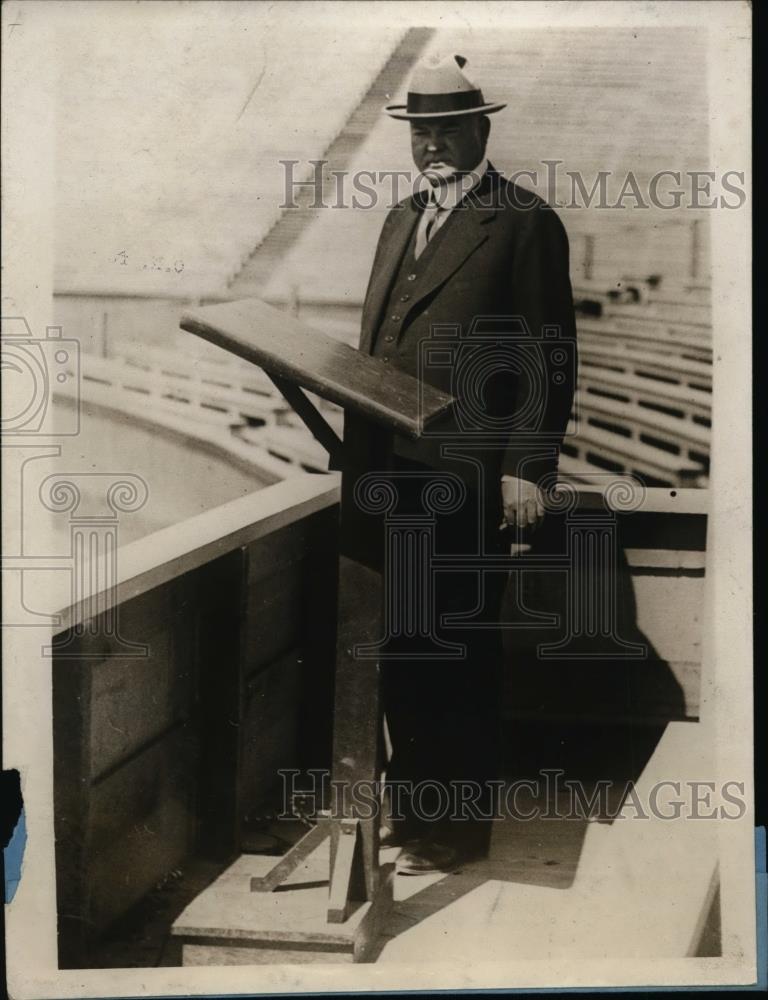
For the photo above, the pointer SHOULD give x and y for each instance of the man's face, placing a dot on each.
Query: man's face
(445, 146)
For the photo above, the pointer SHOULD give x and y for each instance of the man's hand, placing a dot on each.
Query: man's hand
(522, 504)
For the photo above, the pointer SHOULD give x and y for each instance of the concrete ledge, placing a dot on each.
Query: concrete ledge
(180, 548)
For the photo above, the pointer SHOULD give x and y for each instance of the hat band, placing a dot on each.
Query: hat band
(464, 100)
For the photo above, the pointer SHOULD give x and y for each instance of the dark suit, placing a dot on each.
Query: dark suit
(494, 259)
(495, 281)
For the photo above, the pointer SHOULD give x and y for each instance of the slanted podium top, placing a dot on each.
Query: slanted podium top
(287, 348)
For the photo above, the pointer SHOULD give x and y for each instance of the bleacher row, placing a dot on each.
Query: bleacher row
(643, 403)
(644, 397)
(224, 402)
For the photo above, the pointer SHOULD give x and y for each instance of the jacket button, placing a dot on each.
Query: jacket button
(404, 298)
(385, 357)
(389, 339)
(395, 318)
(411, 277)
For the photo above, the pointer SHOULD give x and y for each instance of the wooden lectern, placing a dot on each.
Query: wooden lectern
(297, 358)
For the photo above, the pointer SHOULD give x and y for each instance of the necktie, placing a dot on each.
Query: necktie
(426, 227)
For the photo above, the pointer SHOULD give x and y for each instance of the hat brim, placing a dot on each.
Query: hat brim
(400, 112)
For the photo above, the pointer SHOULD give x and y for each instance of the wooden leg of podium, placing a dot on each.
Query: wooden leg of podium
(342, 872)
(300, 851)
(349, 915)
(357, 733)
(353, 824)
(314, 923)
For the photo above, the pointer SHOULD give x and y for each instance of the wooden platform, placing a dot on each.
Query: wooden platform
(549, 889)
(230, 925)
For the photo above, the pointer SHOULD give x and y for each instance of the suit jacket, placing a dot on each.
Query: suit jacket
(495, 300)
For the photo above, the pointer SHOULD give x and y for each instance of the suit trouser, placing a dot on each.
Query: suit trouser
(443, 713)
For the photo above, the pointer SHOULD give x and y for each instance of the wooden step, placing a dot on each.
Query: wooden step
(228, 924)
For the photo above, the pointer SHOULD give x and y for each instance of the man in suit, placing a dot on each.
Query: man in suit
(470, 292)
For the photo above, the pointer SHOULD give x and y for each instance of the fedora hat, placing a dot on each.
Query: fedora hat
(439, 88)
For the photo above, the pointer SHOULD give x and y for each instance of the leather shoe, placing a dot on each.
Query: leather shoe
(426, 857)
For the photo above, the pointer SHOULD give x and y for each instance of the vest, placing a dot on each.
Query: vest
(398, 337)
(390, 342)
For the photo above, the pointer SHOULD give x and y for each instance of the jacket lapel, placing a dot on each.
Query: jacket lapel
(388, 256)
(466, 235)
(467, 232)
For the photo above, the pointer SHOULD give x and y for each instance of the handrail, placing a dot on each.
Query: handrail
(178, 549)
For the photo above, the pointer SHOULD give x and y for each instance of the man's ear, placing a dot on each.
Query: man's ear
(485, 129)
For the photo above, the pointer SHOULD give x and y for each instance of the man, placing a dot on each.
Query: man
(477, 257)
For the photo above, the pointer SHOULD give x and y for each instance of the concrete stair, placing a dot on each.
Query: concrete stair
(285, 232)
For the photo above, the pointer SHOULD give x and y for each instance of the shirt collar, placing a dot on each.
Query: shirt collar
(446, 197)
